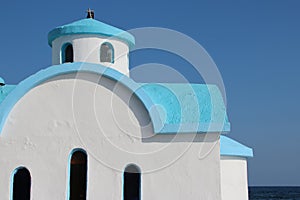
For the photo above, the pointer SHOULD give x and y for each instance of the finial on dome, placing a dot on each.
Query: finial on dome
(90, 14)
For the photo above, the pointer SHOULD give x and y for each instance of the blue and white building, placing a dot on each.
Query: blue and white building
(83, 129)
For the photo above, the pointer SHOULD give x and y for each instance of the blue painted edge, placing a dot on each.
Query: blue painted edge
(201, 127)
(159, 127)
(82, 27)
(23, 87)
(12, 180)
(5, 90)
(69, 169)
(230, 147)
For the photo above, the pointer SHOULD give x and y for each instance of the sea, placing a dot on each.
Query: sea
(274, 193)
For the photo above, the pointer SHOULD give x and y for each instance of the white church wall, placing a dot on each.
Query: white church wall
(86, 48)
(115, 130)
(234, 182)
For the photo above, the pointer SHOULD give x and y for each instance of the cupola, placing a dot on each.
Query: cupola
(89, 40)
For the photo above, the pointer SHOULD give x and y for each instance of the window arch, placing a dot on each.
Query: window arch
(132, 183)
(21, 184)
(67, 53)
(78, 175)
(107, 53)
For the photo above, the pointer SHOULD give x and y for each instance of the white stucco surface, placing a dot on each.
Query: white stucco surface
(103, 118)
(86, 48)
(234, 181)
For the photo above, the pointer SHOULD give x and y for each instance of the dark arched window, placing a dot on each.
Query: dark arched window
(132, 183)
(107, 53)
(21, 184)
(78, 175)
(67, 53)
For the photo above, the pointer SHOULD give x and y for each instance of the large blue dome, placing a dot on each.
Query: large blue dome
(91, 26)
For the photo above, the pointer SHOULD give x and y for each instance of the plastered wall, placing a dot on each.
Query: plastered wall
(86, 48)
(102, 117)
(234, 182)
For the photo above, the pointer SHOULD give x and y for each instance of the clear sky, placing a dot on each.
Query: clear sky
(255, 44)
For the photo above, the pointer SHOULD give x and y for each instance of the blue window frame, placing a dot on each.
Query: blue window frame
(21, 184)
(67, 53)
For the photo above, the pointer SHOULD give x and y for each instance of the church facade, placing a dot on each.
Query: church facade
(83, 129)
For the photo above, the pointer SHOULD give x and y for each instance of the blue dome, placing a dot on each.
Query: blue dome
(2, 81)
(91, 26)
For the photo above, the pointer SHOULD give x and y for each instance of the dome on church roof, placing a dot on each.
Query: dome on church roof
(91, 26)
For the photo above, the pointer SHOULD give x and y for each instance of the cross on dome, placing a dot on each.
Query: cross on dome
(90, 13)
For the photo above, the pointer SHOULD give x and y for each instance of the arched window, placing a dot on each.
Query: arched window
(107, 53)
(21, 184)
(78, 175)
(132, 183)
(67, 53)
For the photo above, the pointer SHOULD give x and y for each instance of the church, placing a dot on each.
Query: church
(83, 129)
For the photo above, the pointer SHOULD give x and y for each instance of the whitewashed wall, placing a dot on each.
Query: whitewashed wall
(234, 182)
(63, 113)
(86, 48)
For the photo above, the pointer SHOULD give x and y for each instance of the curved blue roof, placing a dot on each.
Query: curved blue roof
(186, 107)
(173, 108)
(91, 26)
(230, 147)
(5, 90)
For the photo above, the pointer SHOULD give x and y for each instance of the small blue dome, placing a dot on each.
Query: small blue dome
(91, 26)
(2, 82)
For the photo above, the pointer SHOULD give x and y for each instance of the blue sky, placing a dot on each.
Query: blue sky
(255, 44)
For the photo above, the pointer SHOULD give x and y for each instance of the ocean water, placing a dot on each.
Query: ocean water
(274, 193)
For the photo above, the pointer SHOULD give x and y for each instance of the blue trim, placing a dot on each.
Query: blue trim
(63, 52)
(12, 176)
(91, 26)
(230, 147)
(210, 107)
(26, 85)
(12, 182)
(195, 127)
(5, 90)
